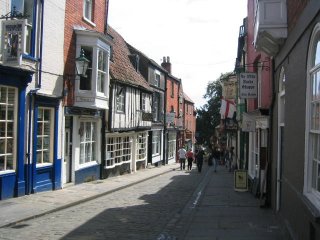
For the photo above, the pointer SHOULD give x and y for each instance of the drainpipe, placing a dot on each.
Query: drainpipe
(28, 154)
(165, 135)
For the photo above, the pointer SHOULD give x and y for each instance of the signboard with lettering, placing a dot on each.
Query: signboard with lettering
(13, 41)
(248, 85)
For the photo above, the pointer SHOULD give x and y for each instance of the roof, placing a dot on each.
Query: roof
(121, 68)
(187, 98)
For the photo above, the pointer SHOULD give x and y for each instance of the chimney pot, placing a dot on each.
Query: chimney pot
(168, 59)
(164, 59)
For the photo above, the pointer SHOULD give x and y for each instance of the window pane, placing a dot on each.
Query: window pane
(10, 146)
(39, 157)
(3, 109)
(2, 146)
(9, 162)
(46, 156)
(11, 96)
(10, 129)
(2, 129)
(47, 114)
(40, 128)
(10, 114)
(2, 161)
(3, 95)
(40, 114)
(46, 128)
(317, 54)
(46, 142)
(39, 143)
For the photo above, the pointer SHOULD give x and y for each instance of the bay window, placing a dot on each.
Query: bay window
(118, 150)
(86, 81)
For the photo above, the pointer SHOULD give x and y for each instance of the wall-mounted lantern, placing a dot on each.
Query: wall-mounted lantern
(82, 64)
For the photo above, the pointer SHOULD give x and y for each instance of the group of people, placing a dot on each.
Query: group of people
(190, 157)
(216, 155)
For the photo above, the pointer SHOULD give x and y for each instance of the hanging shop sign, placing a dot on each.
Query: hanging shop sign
(147, 116)
(248, 123)
(248, 87)
(230, 90)
(13, 43)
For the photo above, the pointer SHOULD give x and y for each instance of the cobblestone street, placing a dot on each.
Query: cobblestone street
(137, 212)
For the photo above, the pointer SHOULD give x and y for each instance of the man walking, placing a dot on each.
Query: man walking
(182, 158)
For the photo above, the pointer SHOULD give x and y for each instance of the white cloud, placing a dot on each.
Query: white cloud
(200, 36)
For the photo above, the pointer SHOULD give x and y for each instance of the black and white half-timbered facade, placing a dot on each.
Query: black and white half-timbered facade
(155, 75)
(130, 115)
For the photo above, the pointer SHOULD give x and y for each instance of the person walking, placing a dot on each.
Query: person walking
(199, 159)
(190, 158)
(182, 158)
(216, 157)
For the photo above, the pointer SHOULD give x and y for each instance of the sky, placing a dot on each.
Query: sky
(199, 36)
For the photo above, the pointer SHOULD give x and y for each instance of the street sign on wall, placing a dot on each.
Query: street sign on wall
(248, 86)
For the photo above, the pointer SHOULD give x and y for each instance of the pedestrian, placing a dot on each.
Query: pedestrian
(233, 159)
(182, 158)
(190, 158)
(199, 158)
(216, 157)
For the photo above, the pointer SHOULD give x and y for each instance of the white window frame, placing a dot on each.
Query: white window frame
(6, 103)
(42, 136)
(88, 12)
(253, 165)
(156, 143)
(172, 146)
(102, 73)
(118, 150)
(120, 99)
(157, 78)
(312, 156)
(141, 147)
(91, 140)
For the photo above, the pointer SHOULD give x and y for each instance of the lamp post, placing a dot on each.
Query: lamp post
(82, 64)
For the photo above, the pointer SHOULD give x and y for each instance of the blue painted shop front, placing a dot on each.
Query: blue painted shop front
(12, 174)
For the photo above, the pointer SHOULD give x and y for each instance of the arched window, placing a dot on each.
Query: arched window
(281, 124)
(312, 151)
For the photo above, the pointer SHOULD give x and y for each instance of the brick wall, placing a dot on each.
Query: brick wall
(295, 8)
(74, 17)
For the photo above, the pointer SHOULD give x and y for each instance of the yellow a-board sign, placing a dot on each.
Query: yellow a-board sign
(241, 180)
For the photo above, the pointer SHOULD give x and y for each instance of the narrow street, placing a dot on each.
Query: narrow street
(174, 205)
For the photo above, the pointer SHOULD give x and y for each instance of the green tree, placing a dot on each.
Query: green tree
(208, 116)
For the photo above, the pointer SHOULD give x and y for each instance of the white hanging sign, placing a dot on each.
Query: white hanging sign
(248, 87)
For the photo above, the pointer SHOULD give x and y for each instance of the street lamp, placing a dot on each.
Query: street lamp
(82, 64)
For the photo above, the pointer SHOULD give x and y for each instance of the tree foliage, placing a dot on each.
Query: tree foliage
(208, 116)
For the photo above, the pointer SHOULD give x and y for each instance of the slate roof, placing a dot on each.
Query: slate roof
(187, 98)
(121, 68)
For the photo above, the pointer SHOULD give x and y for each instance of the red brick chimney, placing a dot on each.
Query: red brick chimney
(166, 64)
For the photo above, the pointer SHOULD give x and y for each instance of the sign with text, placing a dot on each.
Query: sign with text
(241, 180)
(12, 47)
(248, 87)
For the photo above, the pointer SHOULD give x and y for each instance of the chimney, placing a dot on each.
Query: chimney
(166, 64)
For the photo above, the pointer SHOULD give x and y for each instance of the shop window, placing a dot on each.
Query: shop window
(45, 127)
(118, 151)
(141, 146)
(8, 121)
(88, 142)
(156, 141)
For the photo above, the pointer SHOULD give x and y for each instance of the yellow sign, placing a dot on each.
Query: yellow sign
(241, 180)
